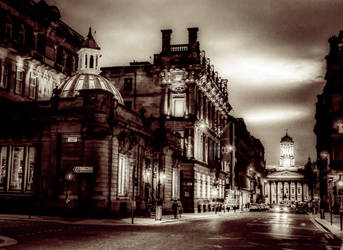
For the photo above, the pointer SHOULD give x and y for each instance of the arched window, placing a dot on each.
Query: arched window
(91, 62)
(96, 62)
(86, 62)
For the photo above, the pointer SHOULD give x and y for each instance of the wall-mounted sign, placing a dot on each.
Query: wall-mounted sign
(83, 170)
(72, 139)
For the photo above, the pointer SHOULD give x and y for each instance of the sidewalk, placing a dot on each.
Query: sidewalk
(333, 227)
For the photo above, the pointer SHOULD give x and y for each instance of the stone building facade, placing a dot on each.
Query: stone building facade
(329, 128)
(182, 88)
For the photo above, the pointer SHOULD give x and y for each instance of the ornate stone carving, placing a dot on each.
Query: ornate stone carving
(177, 79)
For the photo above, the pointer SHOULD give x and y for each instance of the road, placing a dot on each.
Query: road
(254, 230)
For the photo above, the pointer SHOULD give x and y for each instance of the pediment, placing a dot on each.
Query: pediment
(285, 175)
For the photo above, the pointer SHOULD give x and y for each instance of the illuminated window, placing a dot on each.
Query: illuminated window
(208, 187)
(203, 186)
(6, 80)
(19, 84)
(175, 183)
(17, 168)
(33, 86)
(179, 104)
(198, 185)
(3, 167)
(123, 176)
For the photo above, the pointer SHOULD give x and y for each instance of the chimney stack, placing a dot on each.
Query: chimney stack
(166, 40)
(192, 35)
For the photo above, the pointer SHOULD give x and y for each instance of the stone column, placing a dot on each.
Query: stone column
(277, 191)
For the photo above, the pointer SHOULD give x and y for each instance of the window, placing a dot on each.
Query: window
(3, 167)
(6, 80)
(198, 185)
(9, 29)
(41, 40)
(91, 62)
(21, 35)
(208, 187)
(179, 106)
(127, 84)
(33, 86)
(175, 188)
(59, 55)
(204, 186)
(17, 168)
(123, 176)
(19, 84)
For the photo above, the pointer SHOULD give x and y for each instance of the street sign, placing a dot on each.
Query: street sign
(83, 170)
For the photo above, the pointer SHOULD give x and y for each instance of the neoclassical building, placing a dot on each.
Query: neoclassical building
(285, 184)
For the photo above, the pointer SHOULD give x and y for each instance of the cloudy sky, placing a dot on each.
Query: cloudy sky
(271, 51)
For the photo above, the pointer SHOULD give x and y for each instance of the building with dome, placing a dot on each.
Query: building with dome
(84, 151)
(285, 183)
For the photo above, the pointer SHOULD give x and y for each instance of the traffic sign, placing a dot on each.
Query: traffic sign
(83, 169)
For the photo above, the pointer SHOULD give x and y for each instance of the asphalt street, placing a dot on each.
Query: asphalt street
(254, 230)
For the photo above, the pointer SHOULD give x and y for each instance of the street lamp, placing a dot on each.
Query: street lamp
(324, 156)
(68, 179)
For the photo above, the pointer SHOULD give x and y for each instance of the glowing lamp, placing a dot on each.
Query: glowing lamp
(69, 176)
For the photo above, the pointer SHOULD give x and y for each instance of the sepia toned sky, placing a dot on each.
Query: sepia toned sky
(272, 52)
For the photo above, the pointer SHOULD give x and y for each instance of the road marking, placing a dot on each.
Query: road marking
(7, 241)
(225, 238)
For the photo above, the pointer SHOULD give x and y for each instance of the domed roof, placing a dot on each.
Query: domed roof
(286, 138)
(72, 85)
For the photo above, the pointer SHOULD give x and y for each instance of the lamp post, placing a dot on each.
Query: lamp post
(68, 179)
(324, 155)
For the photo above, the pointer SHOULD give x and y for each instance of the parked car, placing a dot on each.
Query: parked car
(254, 207)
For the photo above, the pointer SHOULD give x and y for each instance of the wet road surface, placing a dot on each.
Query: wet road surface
(254, 230)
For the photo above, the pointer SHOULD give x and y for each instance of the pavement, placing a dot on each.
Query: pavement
(330, 223)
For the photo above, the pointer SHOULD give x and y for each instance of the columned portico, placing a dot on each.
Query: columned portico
(287, 186)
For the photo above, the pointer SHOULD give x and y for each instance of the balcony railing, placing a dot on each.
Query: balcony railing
(179, 48)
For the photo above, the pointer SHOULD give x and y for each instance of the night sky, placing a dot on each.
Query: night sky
(271, 51)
